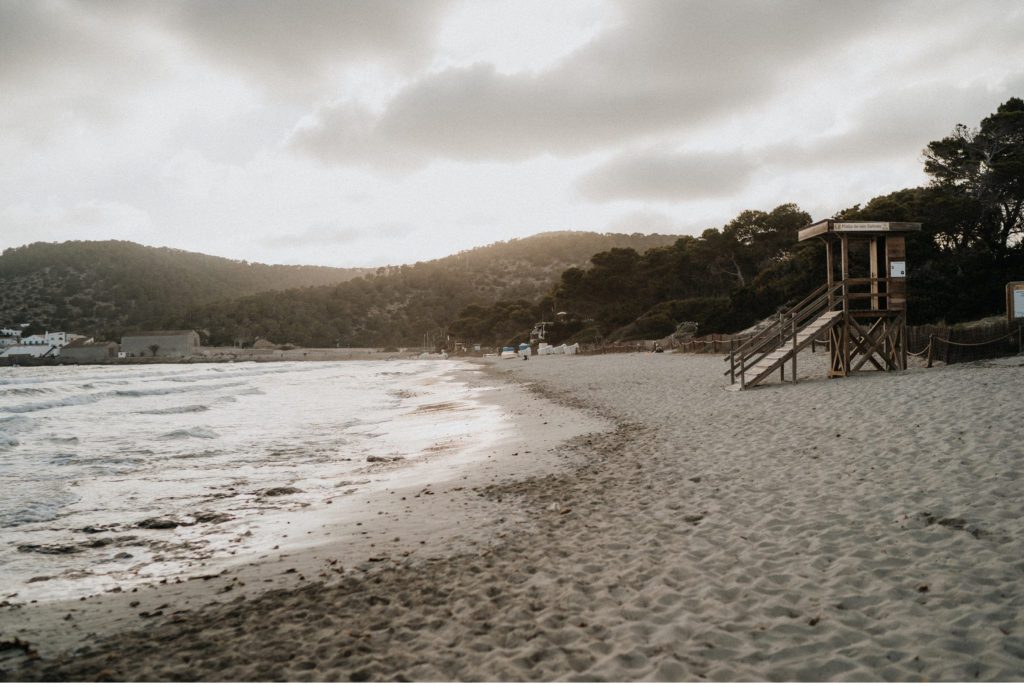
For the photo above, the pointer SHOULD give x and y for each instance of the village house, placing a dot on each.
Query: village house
(177, 343)
(57, 339)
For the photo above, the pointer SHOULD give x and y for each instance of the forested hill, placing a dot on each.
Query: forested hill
(103, 288)
(401, 305)
(970, 245)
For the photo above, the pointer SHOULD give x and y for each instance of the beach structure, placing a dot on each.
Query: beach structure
(175, 343)
(79, 351)
(862, 315)
(1015, 301)
(29, 351)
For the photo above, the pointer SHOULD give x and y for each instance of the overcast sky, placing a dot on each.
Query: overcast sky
(386, 131)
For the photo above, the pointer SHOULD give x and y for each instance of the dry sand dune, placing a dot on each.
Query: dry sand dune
(860, 529)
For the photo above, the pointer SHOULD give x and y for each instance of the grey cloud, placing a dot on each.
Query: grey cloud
(61, 59)
(353, 138)
(886, 127)
(897, 125)
(59, 62)
(667, 176)
(668, 65)
(292, 43)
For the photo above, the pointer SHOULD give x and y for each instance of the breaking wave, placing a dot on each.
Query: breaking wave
(177, 410)
(192, 433)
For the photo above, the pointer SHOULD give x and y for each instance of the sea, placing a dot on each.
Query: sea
(114, 475)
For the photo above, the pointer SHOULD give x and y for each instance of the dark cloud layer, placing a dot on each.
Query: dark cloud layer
(60, 58)
(284, 43)
(668, 64)
(655, 175)
(62, 62)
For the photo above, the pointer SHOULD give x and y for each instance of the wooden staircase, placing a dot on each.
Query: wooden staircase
(772, 348)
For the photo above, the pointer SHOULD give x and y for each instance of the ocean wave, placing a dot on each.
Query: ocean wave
(54, 439)
(34, 502)
(176, 410)
(16, 423)
(192, 433)
(82, 399)
(166, 390)
(106, 464)
(26, 391)
(54, 403)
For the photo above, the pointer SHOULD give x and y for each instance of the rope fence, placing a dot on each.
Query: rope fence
(952, 345)
(949, 345)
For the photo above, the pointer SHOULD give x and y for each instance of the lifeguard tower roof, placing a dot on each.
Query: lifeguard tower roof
(838, 227)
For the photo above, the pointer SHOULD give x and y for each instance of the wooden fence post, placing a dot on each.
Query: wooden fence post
(794, 350)
(732, 361)
(931, 348)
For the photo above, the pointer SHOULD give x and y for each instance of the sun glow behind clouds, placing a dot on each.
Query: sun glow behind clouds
(519, 35)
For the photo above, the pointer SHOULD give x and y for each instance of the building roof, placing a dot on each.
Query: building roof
(27, 349)
(835, 226)
(81, 343)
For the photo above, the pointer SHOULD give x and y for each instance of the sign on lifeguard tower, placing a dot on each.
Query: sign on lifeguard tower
(1015, 300)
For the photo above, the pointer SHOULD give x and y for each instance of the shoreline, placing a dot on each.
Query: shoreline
(227, 354)
(413, 522)
(775, 534)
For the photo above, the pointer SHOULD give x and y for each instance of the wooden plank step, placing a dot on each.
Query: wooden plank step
(784, 353)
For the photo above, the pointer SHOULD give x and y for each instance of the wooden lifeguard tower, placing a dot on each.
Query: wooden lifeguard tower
(864, 317)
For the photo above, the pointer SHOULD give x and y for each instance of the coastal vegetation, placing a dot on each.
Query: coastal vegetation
(104, 288)
(402, 305)
(726, 279)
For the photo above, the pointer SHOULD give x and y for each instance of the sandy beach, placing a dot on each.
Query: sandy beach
(646, 524)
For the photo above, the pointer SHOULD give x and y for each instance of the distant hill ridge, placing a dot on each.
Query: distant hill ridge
(403, 305)
(107, 288)
(103, 288)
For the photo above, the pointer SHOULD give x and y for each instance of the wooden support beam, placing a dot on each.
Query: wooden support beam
(870, 344)
(873, 267)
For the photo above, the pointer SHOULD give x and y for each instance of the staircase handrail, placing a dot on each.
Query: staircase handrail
(772, 329)
(792, 320)
(783, 328)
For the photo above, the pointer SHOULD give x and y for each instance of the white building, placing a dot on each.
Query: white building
(58, 339)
